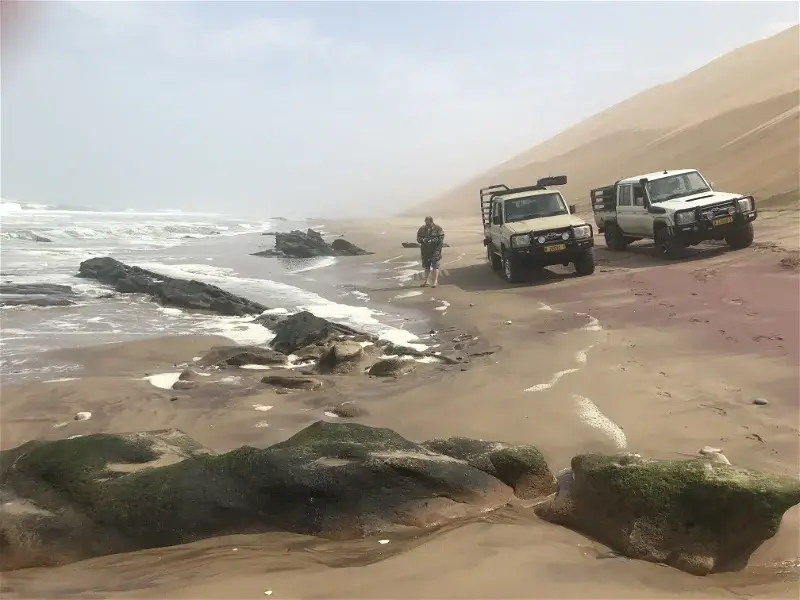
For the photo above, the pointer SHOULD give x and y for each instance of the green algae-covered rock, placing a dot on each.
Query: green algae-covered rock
(700, 516)
(522, 467)
(102, 494)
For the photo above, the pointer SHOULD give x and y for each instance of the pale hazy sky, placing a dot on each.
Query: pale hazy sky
(323, 108)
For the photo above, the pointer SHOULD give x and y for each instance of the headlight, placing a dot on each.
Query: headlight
(541, 239)
(565, 236)
(744, 204)
(581, 232)
(521, 240)
(685, 218)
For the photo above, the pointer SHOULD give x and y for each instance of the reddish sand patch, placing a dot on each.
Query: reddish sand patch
(747, 306)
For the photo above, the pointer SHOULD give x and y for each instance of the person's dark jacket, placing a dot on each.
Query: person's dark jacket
(431, 239)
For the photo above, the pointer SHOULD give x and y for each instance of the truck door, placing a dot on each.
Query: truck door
(641, 219)
(626, 218)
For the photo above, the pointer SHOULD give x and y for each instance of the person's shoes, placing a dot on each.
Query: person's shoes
(424, 284)
(434, 284)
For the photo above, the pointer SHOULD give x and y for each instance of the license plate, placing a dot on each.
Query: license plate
(555, 248)
(722, 221)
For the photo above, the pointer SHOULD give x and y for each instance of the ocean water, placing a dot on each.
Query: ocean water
(212, 248)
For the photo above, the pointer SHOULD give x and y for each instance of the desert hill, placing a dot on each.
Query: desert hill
(737, 119)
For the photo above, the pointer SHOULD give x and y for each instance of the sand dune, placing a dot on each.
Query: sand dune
(736, 118)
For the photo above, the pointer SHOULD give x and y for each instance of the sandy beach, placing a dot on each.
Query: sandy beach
(649, 357)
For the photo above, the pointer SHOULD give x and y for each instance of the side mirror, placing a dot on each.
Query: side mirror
(711, 184)
(497, 220)
(573, 209)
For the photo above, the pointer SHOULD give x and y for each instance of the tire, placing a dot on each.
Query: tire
(510, 268)
(741, 237)
(667, 246)
(585, 264)
(615, 241)
(494, 261)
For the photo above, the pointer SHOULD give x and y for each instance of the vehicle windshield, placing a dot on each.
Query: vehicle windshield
(677, 186)
(535, 207)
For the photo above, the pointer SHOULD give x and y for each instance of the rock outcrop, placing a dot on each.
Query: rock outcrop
(168, 291)
(293, 382)
(309, 244)
(236, 356)
(306, 329)
(102, 494)
(36, 294)
(700, 516)
(392, 367)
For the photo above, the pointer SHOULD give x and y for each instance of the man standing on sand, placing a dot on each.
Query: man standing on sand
(430, 238)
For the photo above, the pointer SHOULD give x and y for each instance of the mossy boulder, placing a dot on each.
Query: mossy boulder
(699, 515)
(521, 467)
(102, 494)
(392, 367)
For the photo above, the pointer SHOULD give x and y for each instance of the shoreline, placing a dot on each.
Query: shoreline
(557, 364)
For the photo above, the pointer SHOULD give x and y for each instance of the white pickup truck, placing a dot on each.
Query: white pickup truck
(532, 227)
(675, 209)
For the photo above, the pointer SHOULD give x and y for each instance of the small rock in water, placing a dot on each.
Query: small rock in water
(508, 322)
(383, 541)
(472, 304)
(760, 401)
(83, 416)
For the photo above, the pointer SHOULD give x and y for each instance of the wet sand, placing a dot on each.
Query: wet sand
(647, 356)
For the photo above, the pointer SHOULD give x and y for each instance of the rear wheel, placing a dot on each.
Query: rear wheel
(741, 237)
(510, 267)
(585, 263)
(495, 261)
(667, 246)
(615, 240)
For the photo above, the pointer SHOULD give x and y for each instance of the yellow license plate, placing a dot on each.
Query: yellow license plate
(722, 221)
(555, 248)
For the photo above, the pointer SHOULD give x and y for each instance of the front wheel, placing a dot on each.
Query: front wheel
(741, 237)
(584, 265)
(510, 267)
(668, 246)
(495, 261)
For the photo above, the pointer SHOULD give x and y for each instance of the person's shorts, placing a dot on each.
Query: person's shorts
(430, 264)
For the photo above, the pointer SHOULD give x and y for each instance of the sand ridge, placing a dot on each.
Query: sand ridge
(737, 119)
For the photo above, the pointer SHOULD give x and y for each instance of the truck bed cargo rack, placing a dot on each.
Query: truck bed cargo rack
(604, 198)
(500, 189)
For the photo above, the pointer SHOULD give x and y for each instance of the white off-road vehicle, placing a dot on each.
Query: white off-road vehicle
(676, 209)
(533, 227)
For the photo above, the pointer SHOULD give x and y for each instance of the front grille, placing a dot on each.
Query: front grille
(550, 235)
(717, 210)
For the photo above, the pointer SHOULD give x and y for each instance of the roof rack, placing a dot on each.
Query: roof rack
(500, 189)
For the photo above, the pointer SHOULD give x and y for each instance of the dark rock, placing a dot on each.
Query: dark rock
(103, 494)
(310, 352)
(344, 248)
(36, 294)
(392, 367)
(347, 410)
(760, 401)
(698, 515)
(309, 244)
(24, 289)
(236, 356)
(183, 384)
(189, 374)
(410, 245)
(344, 357)
(293, 382)
(306, 329)
(35, 301)
(168, 291)
(522, 467)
